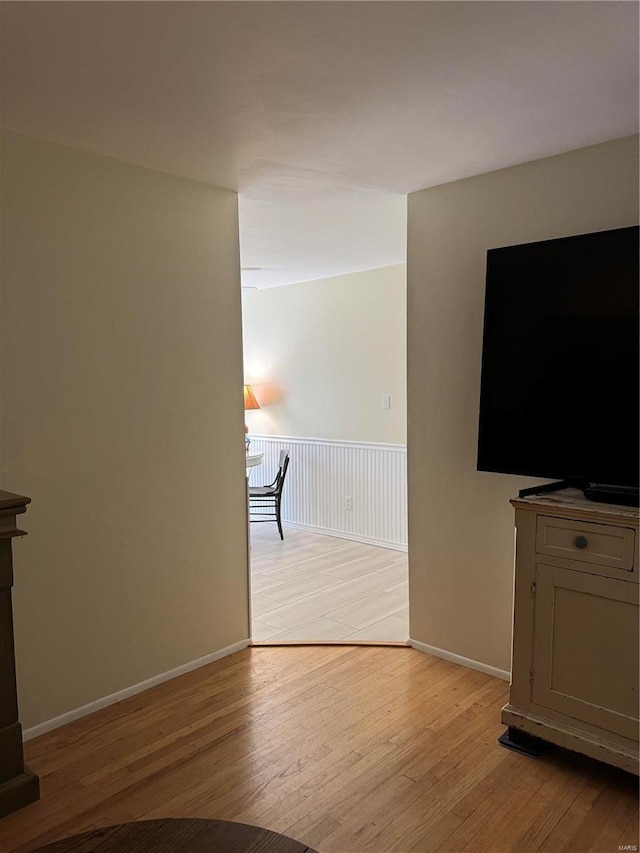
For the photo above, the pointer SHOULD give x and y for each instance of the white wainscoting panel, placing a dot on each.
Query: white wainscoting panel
(323, 474)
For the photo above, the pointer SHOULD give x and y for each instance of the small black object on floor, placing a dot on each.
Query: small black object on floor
(524, 743)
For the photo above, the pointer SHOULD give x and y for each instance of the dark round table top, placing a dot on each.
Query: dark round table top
(178, 835)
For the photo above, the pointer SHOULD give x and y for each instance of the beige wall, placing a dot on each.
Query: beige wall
(122, 366)
(321, 354)
(460, 521)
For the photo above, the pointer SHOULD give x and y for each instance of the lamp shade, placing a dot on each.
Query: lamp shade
(250, 401)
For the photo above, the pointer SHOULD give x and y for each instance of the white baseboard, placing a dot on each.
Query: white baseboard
(84, 710)
(353, 537)
(471, 664)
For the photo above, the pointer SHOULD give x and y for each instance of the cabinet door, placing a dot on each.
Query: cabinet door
(585, 657)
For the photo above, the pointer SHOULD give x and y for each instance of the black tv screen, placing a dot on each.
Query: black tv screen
(560, 375)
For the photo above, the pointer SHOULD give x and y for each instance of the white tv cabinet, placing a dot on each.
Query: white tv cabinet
(574, 671)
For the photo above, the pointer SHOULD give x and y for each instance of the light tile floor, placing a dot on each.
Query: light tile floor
(313, 587)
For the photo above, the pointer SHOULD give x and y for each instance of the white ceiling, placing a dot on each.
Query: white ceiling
(323, 115)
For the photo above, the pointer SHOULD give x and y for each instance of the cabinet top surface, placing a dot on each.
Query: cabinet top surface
(567, 501)
(9, 500)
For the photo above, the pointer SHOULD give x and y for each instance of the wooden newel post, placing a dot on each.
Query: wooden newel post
(18, 785)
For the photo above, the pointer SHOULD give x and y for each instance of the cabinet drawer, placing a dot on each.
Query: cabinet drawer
(586, 542)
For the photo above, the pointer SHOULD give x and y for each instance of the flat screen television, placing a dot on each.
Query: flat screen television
(560, 363)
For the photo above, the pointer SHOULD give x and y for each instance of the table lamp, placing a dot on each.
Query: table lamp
(250, 402)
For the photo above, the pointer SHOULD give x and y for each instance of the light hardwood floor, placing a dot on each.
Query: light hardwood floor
(319, 588)
(349, 749)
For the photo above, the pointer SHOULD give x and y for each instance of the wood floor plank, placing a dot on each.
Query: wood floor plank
(347, 749)
(601, 826)
(543, 810)
(625, 837)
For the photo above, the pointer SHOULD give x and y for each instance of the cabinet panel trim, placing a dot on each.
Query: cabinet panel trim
(552, 655)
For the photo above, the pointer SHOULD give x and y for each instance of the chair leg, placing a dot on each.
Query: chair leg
(278, 519)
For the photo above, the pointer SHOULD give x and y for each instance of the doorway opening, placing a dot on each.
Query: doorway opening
(326, 362)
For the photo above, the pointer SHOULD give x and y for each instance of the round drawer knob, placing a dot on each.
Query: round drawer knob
(581, 542)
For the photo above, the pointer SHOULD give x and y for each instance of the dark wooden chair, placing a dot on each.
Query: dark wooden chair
(266, 500)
